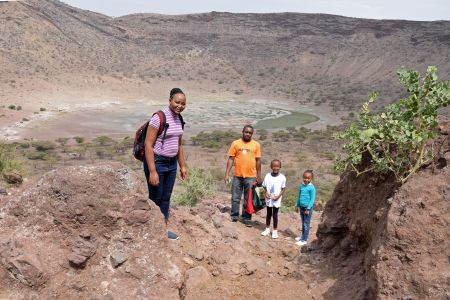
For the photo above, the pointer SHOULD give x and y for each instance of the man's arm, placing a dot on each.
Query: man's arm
(228, 169)
(258, 170)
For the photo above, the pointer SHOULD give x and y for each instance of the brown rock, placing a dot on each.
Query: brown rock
(137, 217)
(196, 276)
(27, 269)
(13, 177)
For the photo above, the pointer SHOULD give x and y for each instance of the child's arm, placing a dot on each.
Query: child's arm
(280, 194)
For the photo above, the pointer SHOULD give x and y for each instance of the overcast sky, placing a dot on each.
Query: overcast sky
(427, 10)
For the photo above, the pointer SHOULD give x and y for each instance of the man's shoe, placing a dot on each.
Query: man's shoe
(234, 219)
(246, 222)
(297, 239)
(172, 235)
(301, 243)
(265, 232)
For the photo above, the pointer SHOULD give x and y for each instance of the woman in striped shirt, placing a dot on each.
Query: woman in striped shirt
(162, 152)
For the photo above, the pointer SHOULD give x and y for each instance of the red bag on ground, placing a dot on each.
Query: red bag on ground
(250, 209)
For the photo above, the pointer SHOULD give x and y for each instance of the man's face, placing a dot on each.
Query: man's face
(247, 134)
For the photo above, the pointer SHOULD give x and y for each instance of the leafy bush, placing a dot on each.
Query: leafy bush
(397, 139)
(103, 140)
(215, 139)
(8, 161)
(12, 106)
(199, 184)
(78, 139)
(38, 155)
(43, 145)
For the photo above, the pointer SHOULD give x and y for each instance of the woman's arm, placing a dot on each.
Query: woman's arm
(150, 139)
(181, 161)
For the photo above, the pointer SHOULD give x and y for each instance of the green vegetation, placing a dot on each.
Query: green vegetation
(397, 139)
(199, 184)
(43, 145)
(214, 140)
(291, 120)
(8, 159)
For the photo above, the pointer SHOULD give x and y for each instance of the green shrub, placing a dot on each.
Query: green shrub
(42, 109)
(78, 139)
(8, 160)
(198, 184)
(12, 106)
(289, 199)
(397, 139)
(103, 140)
(215, 139)
(38, 155)
(43, 145)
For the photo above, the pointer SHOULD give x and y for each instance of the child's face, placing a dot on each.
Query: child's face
(307, 178)
(275, 166)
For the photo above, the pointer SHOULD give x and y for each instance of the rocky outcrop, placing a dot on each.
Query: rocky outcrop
(389, 241)
(65, 237)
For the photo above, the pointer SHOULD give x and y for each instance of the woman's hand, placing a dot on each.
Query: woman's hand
(183, 173)
(153, 179)
(306, 211)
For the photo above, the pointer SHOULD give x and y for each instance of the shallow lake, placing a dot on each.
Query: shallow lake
(122, 119)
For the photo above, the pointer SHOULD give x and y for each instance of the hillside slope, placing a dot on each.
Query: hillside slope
(307, 57)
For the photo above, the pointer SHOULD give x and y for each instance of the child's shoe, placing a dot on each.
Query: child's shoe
(301, 243)
(172, 235)
(265, 232)
(274, 234)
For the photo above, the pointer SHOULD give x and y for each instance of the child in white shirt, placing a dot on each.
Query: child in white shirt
(274, 185)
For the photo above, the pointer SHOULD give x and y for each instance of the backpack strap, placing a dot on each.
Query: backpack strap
(163, 125)
(182, 121)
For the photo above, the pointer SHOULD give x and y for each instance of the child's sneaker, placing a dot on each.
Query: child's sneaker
(274, 234)
(172, 235)
(265, 232)
(301, 243)
(297, 239)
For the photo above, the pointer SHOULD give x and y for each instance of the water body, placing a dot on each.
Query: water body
(122, 119)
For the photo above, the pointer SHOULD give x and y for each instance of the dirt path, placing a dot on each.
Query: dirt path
(245, 264)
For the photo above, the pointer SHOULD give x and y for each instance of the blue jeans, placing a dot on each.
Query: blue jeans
(238, 185)
(306, 221)
(166, 167)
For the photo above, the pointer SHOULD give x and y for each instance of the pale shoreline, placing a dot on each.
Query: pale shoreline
(13, 130)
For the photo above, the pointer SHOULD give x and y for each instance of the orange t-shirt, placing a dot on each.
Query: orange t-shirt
(245, 154)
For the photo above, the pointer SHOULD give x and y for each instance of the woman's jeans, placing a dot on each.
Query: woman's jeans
(238, 185)
(306, 221)
(166, 167)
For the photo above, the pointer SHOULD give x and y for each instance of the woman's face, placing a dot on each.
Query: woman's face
(177, 103)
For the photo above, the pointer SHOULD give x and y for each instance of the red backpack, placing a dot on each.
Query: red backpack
(139, 139)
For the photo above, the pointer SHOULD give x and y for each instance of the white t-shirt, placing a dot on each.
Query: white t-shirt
(273, 186)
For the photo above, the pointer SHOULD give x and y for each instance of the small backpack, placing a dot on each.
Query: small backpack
(139, 139)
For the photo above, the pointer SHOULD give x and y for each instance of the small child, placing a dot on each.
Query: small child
(305, 202)
(274, 185)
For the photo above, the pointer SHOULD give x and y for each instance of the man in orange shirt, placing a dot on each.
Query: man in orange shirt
(246, 154)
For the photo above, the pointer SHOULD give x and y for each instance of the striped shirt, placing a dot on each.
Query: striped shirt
(174, 132)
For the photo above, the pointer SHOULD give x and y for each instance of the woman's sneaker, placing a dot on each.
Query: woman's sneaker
(172, 235)
(274, 234)
(301, 243)
(297, 239)
(265, 232)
